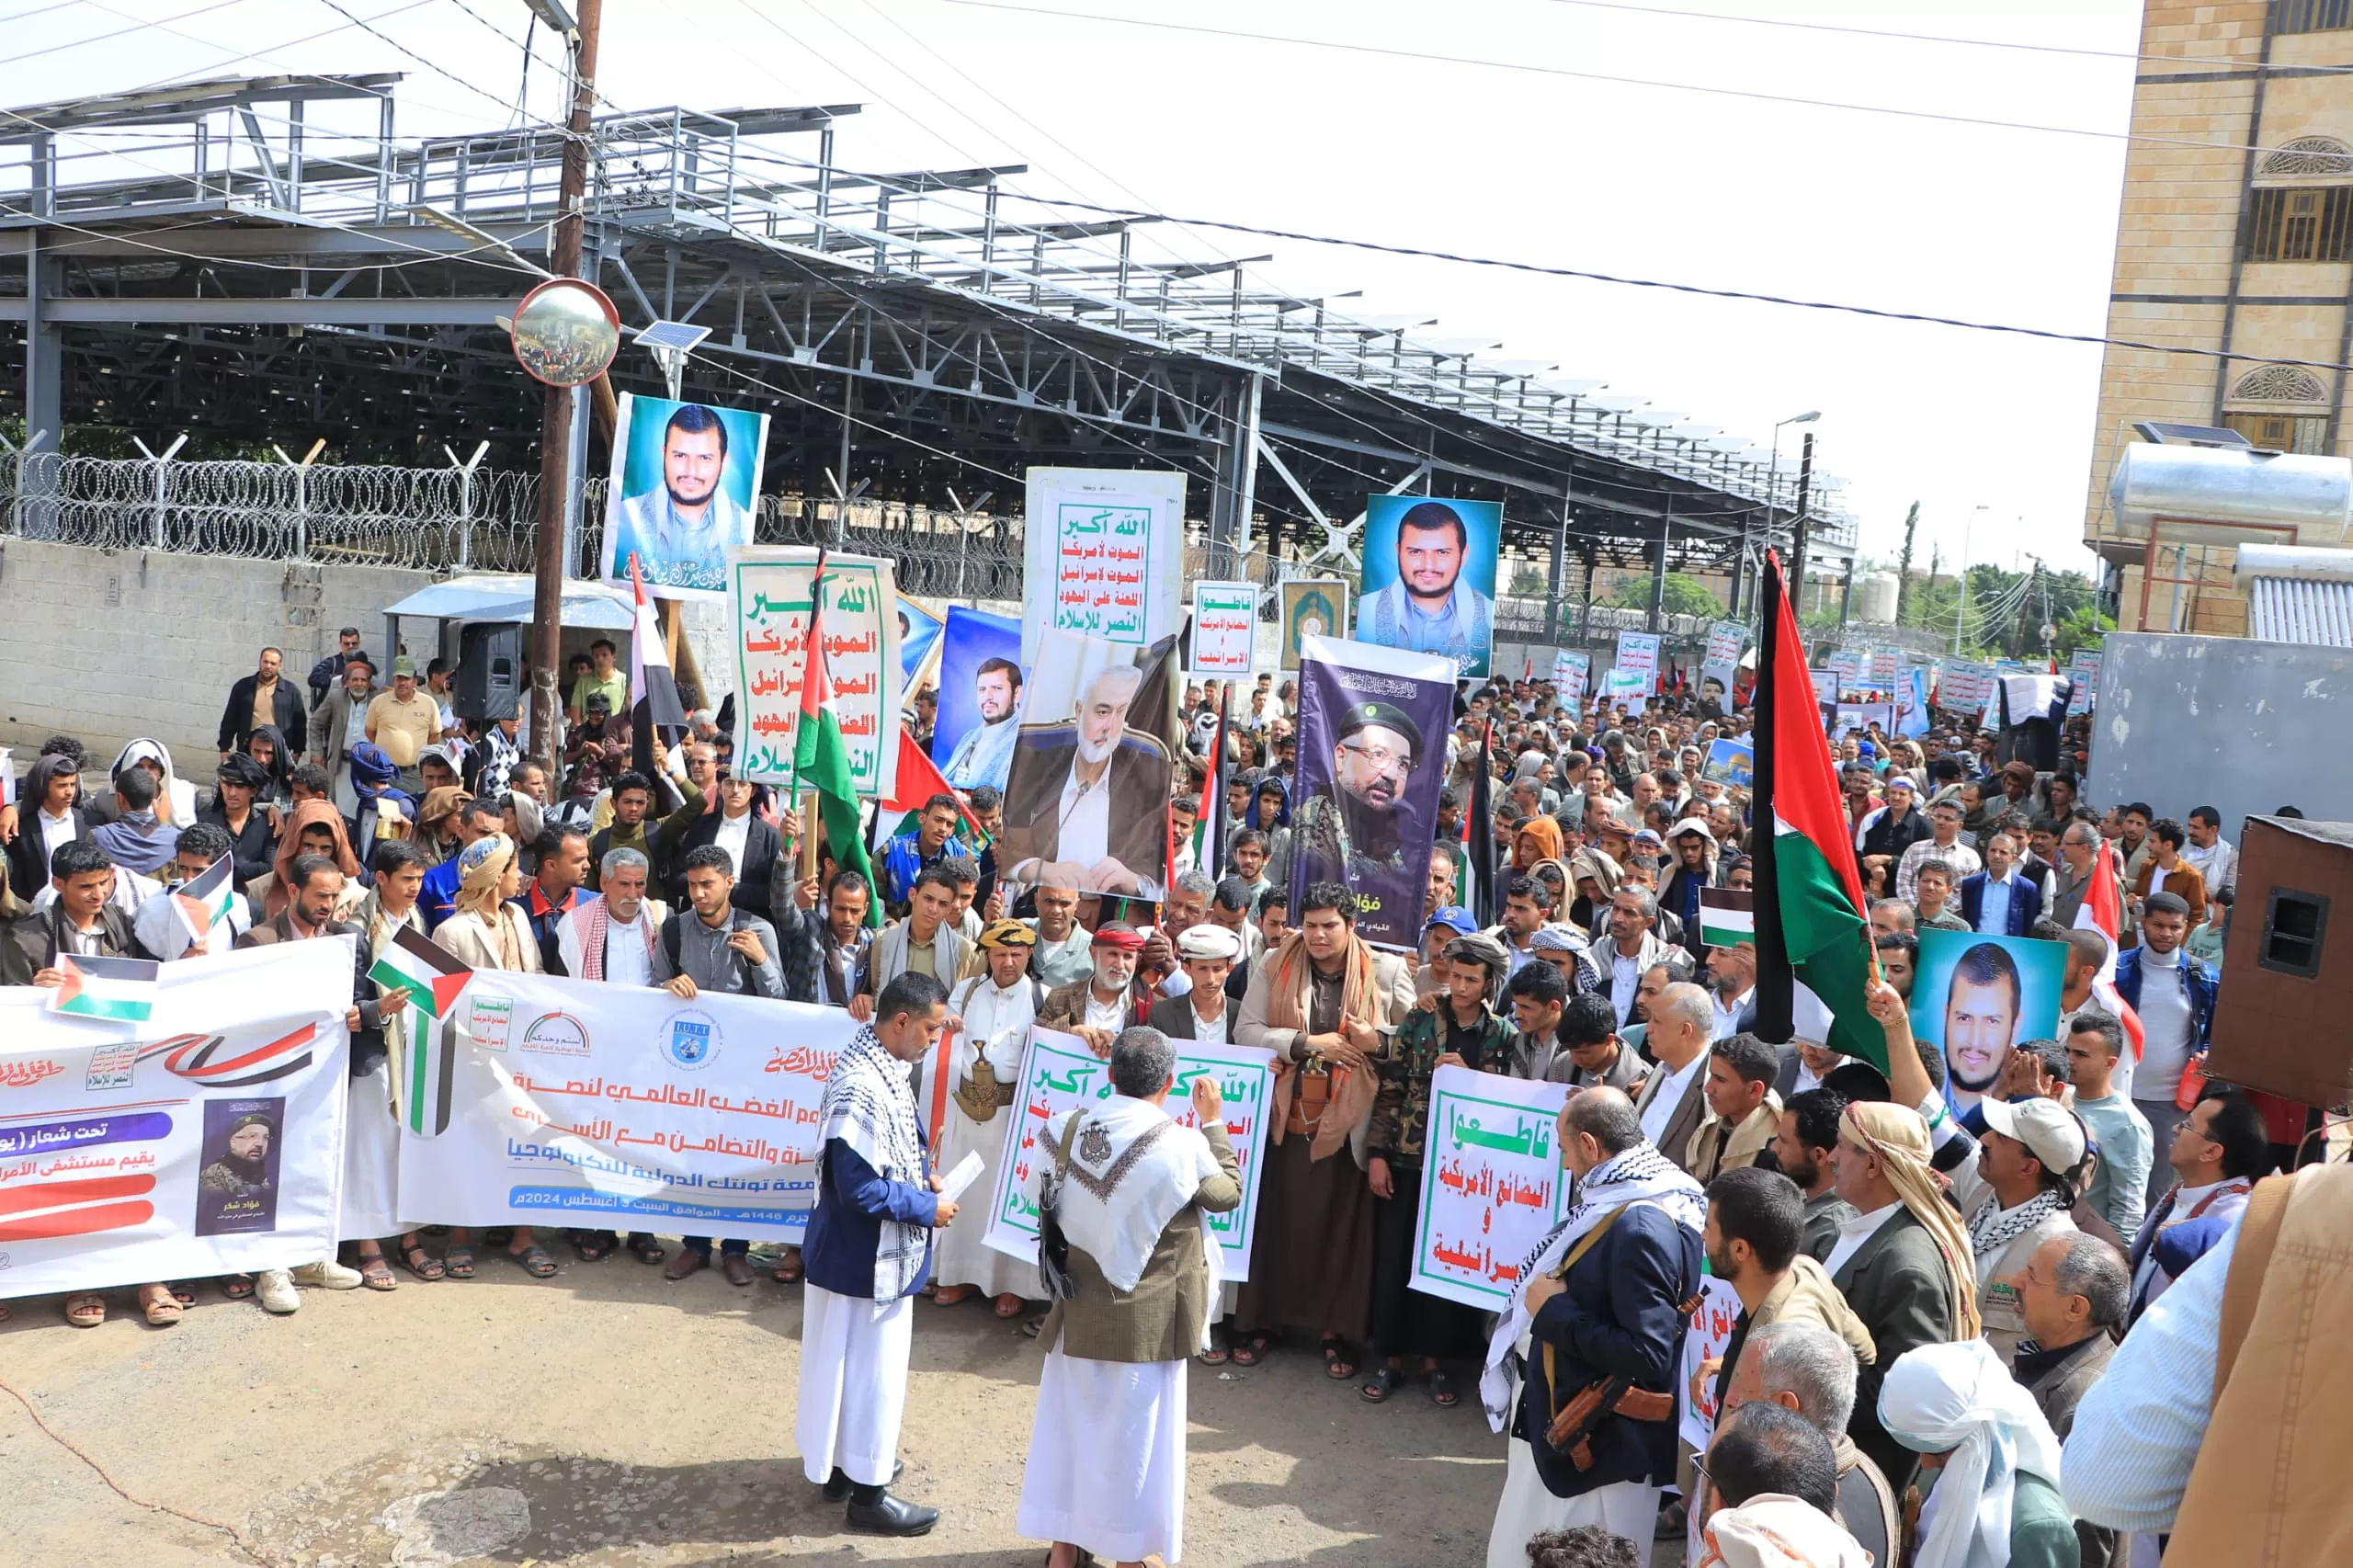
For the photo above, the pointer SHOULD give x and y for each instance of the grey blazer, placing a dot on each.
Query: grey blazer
(1676, 1143)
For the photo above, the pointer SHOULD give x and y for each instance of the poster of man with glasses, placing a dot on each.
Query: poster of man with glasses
(1372, 727)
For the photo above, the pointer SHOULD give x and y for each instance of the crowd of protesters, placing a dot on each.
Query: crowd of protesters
(1945, 1269)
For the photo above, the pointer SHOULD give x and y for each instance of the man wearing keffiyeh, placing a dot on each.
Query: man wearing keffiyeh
(1601, 1305)
(868, 1253)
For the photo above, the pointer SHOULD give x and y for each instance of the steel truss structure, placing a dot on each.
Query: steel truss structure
(264, 260)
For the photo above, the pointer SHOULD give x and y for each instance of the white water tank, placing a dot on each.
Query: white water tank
(2228, 496)
(1875, 597)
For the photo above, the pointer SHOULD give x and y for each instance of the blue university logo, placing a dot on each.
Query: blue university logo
(690, 1040)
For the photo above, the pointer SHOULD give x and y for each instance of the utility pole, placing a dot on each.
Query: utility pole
(555, 412)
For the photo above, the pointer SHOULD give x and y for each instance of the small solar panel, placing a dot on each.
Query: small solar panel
(2168, 433)
(676, 334)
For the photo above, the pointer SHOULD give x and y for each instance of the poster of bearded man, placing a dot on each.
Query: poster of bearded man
(1372, 727)
(1086, 798)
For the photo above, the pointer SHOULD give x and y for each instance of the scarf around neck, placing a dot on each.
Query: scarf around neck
(870, 1106)
(1639, 1174)
(1289, 995)
(1993, 1227)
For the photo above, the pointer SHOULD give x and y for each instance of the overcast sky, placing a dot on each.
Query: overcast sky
(1966, 219)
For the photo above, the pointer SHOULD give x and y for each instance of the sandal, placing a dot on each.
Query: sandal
(183, 1291)
(237, 1287)
(1337, 1364)
(376, 1274)
(1443, 1392)
(85, 1310)
(950, 1295)
(787, 1268)
(534, 1261)
(163, 1308)
(458, 1263)
(646, 1250)
(421, 1263)
(592, 1247)
(1384, 1382)
(1252, 1350)
(1008, 1305)
(1217, 1354)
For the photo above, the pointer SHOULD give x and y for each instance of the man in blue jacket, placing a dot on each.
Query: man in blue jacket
(868, 1253)
(2173, 995)
(1602, 1305)
(2003, 900)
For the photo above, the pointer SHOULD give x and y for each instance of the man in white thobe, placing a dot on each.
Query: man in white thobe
(989, 1020)
(867, 1252)
(1106, 1472)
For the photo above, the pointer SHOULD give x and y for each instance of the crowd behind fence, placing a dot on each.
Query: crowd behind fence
(456, 518)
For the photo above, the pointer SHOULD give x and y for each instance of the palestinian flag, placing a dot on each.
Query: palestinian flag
(1727, 918)
(821, 761)
(422, 968)
(1482, 889)
(1208, 817)
(122, 990)
(204, 904)
(654, 692)
(918, 778)
(1816, 928)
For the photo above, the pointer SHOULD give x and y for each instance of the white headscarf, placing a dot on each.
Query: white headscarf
(1959, 1400)
(177, 790)
(1776, 1532)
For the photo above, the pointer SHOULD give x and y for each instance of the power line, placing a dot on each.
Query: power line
(1593, 277)
(119, 33)
(1883, 33)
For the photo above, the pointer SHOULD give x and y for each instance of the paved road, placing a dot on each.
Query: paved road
(608, 1417)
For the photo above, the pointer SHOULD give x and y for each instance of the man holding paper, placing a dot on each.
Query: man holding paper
(975, 1070)
(1106, 1474)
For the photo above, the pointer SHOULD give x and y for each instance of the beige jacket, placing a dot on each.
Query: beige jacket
(1716, 1148)
(1806, 1295)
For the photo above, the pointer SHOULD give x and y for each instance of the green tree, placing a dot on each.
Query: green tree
(1685, 595)
(1904, 563)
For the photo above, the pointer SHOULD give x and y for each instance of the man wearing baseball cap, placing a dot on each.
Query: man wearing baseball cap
(1349, 827)
(2031, 1155)
(1096, 1008)
(1446, 924)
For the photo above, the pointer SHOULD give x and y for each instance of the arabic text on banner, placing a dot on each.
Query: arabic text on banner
(1570, 670)
(2083, 670)
(1225, 628)
(1621, 685)
(206, 1140)
(1711, 1331)
(1725, 639)
(1058, 1073)
(767, 605)
(1492, 1183)
(1638, 652)
(1104, 555)
(623, 1108)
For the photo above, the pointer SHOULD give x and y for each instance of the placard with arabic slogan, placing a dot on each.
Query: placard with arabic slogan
(769, 605)
(1492, 1184)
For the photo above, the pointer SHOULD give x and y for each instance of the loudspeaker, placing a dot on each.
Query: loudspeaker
(490, 670)
(2279, 1016)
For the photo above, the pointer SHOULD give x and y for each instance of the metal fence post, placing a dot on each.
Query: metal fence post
(155, 519)
(465, 501)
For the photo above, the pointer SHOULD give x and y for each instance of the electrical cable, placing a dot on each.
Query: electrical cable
(1533, 68)
(119, 33)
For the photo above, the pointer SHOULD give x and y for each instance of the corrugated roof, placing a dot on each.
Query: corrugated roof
(2318, 615)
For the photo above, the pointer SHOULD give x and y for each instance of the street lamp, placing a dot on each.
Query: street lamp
(1961, 599)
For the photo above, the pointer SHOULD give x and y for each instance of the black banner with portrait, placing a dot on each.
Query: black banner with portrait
(1372, 732)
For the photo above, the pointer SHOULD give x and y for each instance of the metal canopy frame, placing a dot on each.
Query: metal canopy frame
(217, 257)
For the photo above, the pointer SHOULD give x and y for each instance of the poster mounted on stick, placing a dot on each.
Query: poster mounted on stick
(1731, 762)
(1226, 628)
(568, 1102)
(1725, 639)
(919, 629)
(1058, 1074)
(684, 490)
(1638, 654)
(769, 606)
(1087, 798)
(1312, 606)
(1104, 556)
(1572, 670)
(1429, 577)
(203, 1140)
(980, 699)
(1492, 1184)
(1373, 725)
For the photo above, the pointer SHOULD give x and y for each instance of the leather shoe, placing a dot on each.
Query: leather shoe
(838, 1485)
(891, 1515)
(686, 1263)
(737, 1267)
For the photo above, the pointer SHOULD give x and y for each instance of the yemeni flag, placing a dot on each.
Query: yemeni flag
(1815, 928)
(2099, 913)
(821, 761)
(1482, 892)
(656, 703)
(121, 990)
(1727, 918)
(203, 905)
